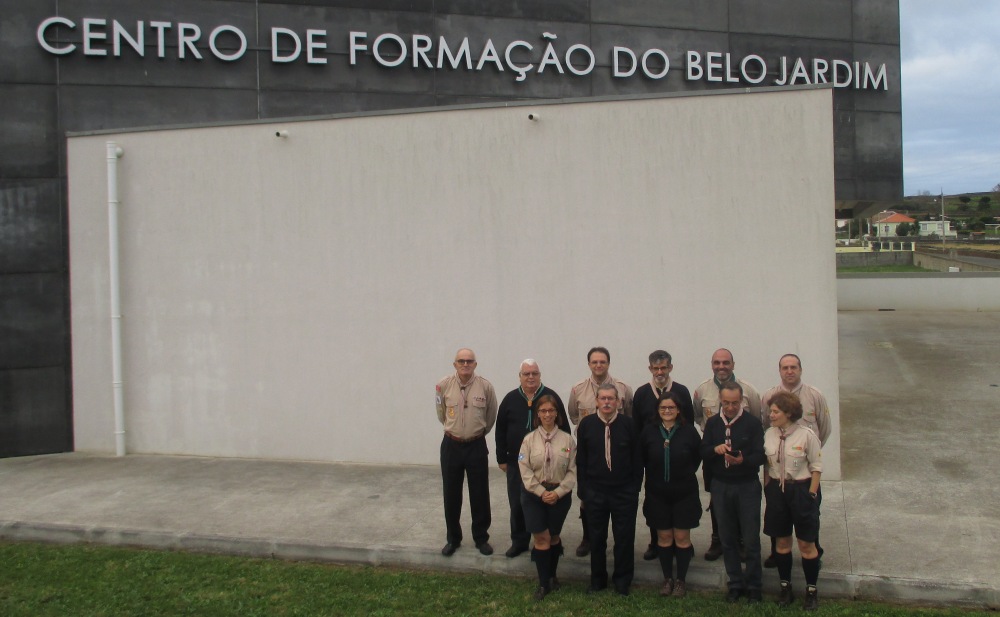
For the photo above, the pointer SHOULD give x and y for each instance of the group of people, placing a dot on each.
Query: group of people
(623, 437)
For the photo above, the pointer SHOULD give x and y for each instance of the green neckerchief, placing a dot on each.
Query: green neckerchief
(541, 388)
(666, 449)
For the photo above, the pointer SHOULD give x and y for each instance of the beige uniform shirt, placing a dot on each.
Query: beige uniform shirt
(815, 411)
(803, 453)
(583, 398)
(532, 458)
(706, 402)
(466, 412)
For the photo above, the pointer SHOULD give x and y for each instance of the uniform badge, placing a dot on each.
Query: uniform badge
(451, 412)
(666, 443)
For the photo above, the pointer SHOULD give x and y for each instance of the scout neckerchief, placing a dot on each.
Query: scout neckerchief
(728, 423)
(465, 394)
(781, 451)
(549, 465)
(666, 449)
(538, 392)
(607, 437)
(659, 391)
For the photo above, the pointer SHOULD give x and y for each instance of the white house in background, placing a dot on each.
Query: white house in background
(946, 230)
(884, 223)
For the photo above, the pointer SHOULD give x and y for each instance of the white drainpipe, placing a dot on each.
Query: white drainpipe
(114, 153)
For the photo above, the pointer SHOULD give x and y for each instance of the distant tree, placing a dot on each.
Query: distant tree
(965, 199)
(984, 203)
(974, 224)
(987, 219)
(924, 193)
(903, 229)
(964, 206)
(996, 189)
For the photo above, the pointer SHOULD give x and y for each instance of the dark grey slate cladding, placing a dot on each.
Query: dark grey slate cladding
(42, 96)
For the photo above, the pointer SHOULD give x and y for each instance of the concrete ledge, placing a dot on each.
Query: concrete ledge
(918, 291)
(701, 576)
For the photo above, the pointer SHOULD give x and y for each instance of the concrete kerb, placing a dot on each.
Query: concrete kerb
(700, 576)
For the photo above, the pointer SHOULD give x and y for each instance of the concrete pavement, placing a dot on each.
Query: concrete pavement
(914, 519)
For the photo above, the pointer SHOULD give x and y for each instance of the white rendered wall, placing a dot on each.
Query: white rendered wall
(298, 298)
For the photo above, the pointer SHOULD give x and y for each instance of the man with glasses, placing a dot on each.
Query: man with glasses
(645, 409)
(609, 473)
(583, 402)
(733, 449)
(514, 417)
(467, 408)
(706, 405)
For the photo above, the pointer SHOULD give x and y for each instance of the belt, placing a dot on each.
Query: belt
(550, 486)
(787, 482)
(462, 439)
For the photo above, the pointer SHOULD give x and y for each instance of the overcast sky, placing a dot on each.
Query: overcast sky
(951, 95)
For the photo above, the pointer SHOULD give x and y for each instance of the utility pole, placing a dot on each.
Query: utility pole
(944, 233)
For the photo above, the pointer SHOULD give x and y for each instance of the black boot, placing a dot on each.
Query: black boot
(785, 596)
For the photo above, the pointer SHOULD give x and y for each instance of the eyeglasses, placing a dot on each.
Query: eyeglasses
(531, 374)
(463, 361)
(607, 399)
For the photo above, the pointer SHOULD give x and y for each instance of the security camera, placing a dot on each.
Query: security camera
(533, 117)
(281, 133)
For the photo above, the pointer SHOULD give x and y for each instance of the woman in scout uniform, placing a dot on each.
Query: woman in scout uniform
(671, 456)
(794, 462)
(548, 471)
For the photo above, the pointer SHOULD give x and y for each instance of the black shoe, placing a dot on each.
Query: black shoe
(650, 553)
(554, 584)
(485, 548)
(734, 595)
(785, 596)
(621, 590)
(714, 550)
(596, 588)
(540, 594)
(771, 562)
(811, 602)
(449, 549)
(754, 596)
(515, 550)
(584, 549)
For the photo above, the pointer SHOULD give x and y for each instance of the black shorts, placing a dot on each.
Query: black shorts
(667, 512)
(792, 508)
(539, 516)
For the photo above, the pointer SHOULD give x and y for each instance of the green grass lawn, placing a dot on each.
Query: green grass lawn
(40, 579)
(899, 268)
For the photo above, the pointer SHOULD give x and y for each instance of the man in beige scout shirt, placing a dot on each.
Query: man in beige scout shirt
(706, 405)
(467, 408)
(583, 402)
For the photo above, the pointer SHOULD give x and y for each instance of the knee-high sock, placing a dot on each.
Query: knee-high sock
(543, 563)
(684, 556)
(784, 563)
(810, 567)
(666, 555)
(555, 552)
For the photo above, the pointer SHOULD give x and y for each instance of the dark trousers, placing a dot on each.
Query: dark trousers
(737, 507)
(519, 535)
(620, 507)
(457, 461)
